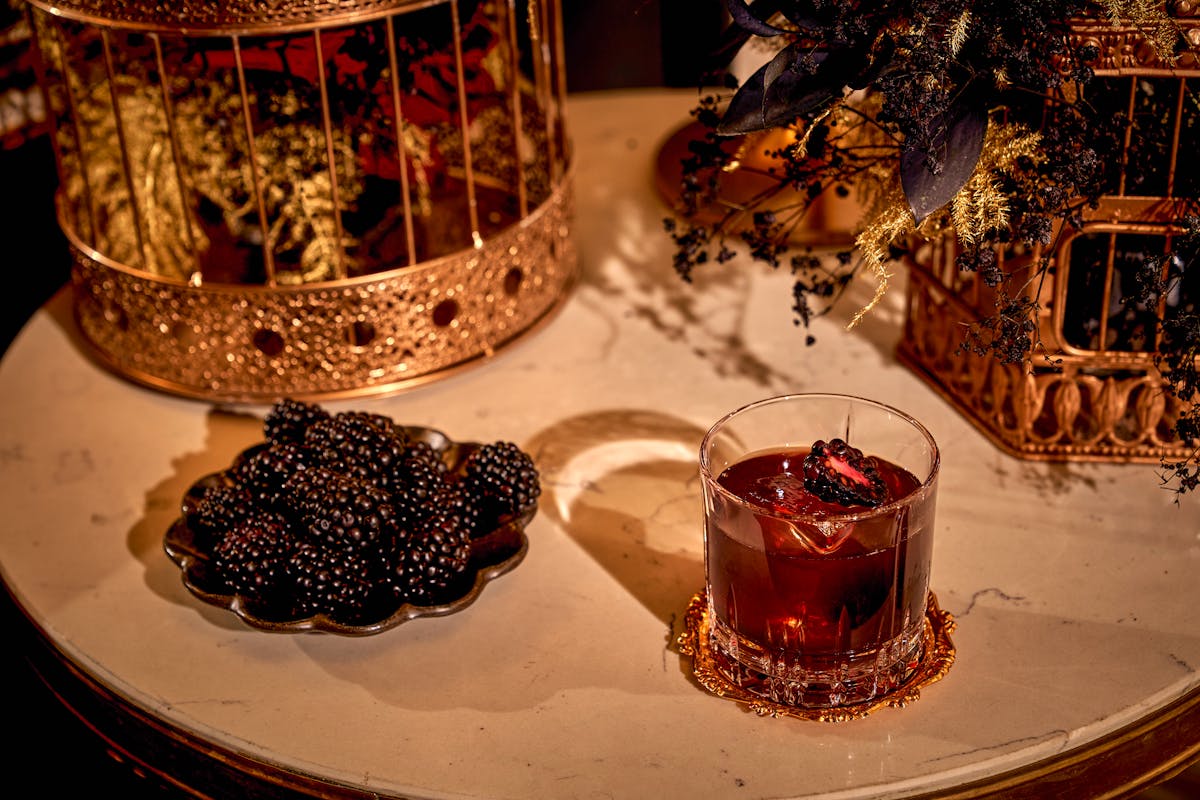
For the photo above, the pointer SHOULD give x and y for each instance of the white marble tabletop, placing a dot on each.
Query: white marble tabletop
(1073, 585)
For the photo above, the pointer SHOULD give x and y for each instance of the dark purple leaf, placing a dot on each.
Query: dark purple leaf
(778, 93)
(745, 18)
(734, 37)
(957, 141)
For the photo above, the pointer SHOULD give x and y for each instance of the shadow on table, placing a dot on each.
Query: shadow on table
(229, 431)
(624, 485)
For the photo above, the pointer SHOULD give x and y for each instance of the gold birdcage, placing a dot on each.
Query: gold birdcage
(1102, 398)
(270, 198)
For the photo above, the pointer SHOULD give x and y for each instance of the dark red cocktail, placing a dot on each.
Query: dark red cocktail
(817, 598)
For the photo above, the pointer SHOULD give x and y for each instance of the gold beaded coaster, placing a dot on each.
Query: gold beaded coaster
(939, 657)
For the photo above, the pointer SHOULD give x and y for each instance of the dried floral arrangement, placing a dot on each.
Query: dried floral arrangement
(944, 117)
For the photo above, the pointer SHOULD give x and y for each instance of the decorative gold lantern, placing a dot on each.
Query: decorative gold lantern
(1103, 399)
(308, 199)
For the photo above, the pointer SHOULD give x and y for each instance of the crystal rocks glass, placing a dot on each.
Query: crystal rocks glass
(816, 606)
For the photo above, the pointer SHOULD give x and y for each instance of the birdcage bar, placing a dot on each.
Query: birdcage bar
(538, 32)
(58, 47)
(465, 125)
(1176, 132)
(331, 159)
(181, 177)
(510, 25)
(401, 148)
(126, 167)
(252, 154)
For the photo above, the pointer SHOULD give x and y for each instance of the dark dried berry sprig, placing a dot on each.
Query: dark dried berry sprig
(1008, 335)
(1178, 353)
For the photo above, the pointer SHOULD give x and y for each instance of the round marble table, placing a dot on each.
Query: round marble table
(1073, 585)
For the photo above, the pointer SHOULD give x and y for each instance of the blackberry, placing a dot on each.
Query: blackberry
(423, 451)
(380, 421)
(265, 472)
(502, 477)
(251, 560)
(335, 510)
(462, 504)
(340, 583)
(418, 491)
(289, 419)
(221, 508)
(359, 444)
(839, 473)
(427, 571)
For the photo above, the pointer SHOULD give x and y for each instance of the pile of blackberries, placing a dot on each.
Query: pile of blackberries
(350, 516)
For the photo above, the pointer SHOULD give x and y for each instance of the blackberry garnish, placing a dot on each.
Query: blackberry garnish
(338, 582)
(426, 571)
(337, 511)
(264, 473)
(836, 472)
(359, 444)
(251, 560)
(502, 477)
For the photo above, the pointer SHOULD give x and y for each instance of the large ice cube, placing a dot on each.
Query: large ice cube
(782, 493)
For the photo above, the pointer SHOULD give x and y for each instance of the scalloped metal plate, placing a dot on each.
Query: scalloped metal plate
(492, 555)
